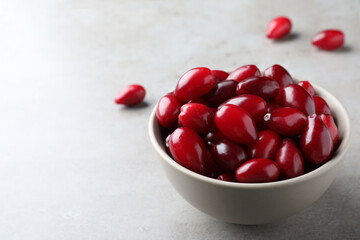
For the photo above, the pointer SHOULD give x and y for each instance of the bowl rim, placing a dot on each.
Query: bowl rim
(337, 156)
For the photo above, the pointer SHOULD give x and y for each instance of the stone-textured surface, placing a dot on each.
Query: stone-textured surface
(74, 165)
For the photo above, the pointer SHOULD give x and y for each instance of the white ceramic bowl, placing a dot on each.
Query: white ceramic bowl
(255, 203)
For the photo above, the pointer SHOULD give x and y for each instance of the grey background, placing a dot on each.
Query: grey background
(73, 165)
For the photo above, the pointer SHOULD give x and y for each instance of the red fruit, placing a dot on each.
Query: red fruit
(279, 74)
(265, 146)
(278, 27)
(297, 97)
(316, 143)
(263, 87)
(228, 177)
(321, 106)
(328, 39)
(286, 121)
(330, 123)
(179, 124)
(167, 139)
(131, 95)
(212, 169)
(188, 149)
(254, 105)
(244, 72)
(221, 92)
(258, 170)
(228, 154)
(167, 111)
(212, 137)
(197, 100)
(219, 75)
(308, 87)
(289, 159)
(194, 83)
(272, 105)
(197, 117)
(236, 124)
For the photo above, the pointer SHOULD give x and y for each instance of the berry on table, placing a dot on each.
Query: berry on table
(330, 39)
(131, 95)
(278, 28)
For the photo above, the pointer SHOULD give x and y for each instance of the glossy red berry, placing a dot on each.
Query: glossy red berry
(244, 72)
(265, 146)
(167, 139)
(131, 95)
(194, 83)
(297, 97)
(308, 87)
(321, 106)
(272, 105)
(228, 177)
(286, 121)
(212, 137)
(254, 105)
(179, 124)
(280, 74)
(219, 75)
(197, 117)
(197, 100)
(329, 39)
(316, 143)
(212, 169)
(289, 159)
(278, 27)
(258, 170)
(330, 123)
(167, 111)
(221, 92)
(228, 154)
(236, 124)
(263, 87)
(188, 149)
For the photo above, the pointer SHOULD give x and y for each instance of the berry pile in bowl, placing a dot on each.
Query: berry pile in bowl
(249, 147)
(247, 126)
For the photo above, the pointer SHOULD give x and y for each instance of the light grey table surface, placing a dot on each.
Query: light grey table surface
(73, 165)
